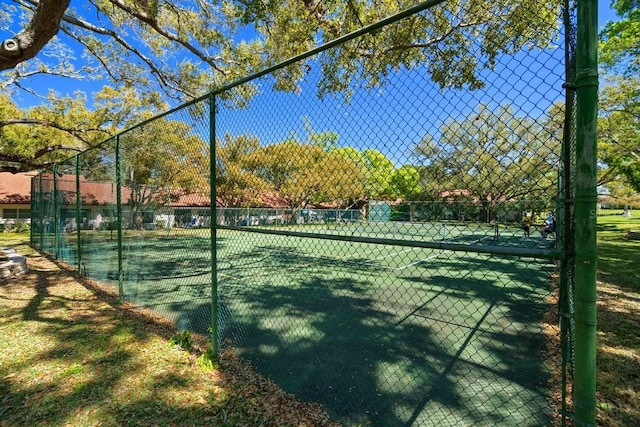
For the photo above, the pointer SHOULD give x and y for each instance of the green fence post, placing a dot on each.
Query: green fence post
(78, 216)
(214, 257)
(41, 237)
(56, 216)
(584, 387)
(32, 200)
(119, 221)
(566, 238)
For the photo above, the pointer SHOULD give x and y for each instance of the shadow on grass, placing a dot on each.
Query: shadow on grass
(617, 377)
(618, 322)
(68, 338)
(618, 263)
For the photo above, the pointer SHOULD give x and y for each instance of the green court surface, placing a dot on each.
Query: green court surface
(399, 335)
(407, 336)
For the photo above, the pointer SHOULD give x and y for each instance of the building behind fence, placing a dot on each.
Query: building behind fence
(402, 254)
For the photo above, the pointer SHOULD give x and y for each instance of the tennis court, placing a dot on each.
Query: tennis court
(399, 335)
(371, 252)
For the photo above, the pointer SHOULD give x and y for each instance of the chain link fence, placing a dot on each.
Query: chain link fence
(394, 249)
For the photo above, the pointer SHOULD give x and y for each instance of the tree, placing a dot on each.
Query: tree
(162, 161)
(494, 156)
(133, 41)
(304, 174)
(445, 37)
(236, 182)
(619, 122)
(179, 50)
(206, 30)
(619, 132)
(43, 135)
(38, 32)
(375, 170)
(405, 182)
(619, 47)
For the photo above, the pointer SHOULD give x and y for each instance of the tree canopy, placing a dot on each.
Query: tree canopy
(619, 46)
(493, 155)
(619, 131)
(297, 173)
(41, 136)
(172, 51)
(161, 162)
(619, 123)
(236, 184)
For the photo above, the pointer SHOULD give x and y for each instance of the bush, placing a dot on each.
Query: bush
(21, 227)
(206, 361)
(108, 225)
(183, 340)
(15, 227)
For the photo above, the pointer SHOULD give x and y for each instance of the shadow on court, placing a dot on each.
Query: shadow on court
(385, 337)
(388, 347)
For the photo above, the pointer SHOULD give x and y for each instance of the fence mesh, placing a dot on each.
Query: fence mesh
(389, 247)
(97, 221)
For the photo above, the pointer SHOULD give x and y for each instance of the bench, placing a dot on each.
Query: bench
(11, 263)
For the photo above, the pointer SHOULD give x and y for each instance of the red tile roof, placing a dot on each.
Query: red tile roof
(15, 188)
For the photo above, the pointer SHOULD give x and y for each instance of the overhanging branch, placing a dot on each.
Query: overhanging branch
(44, 24)
(79, 134)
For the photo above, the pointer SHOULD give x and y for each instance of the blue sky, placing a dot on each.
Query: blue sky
(605, 12)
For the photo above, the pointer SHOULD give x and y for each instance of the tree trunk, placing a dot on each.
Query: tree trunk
(28, 42)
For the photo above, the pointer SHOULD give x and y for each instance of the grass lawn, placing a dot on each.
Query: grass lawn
(618, 377)
(72, 356)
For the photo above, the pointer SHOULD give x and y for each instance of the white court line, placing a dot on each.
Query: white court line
(417, 262)
(393, 254)
(344, 259)
(266, 273)
(480, 239)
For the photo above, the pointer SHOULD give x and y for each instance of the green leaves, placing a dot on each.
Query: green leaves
(297, 173)
(456, 41)
(34, 138)
(618, 125)
(185, 49)
(183, 340)
(619, 133)
(492, 155)
(619, 40)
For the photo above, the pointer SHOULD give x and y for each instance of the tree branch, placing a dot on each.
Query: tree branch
(159, 74)
(44, 24)
(17, 75)
(73, 132)
(607, 177)
(152, 22)
(11, 162)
